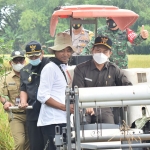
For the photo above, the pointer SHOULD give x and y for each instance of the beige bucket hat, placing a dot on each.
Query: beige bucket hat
(62, 40)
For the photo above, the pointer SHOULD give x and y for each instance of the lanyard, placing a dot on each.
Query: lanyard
(63, 73)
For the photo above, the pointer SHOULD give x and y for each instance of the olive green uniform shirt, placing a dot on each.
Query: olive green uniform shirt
(119, 45)
(9, 86)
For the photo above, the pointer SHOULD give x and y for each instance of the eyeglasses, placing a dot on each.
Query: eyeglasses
(16, 60)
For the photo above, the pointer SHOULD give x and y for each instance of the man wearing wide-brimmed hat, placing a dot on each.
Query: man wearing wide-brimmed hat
(51, 92)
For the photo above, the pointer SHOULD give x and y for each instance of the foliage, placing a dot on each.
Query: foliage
(23, 21)
(5, 47)
(6, 140)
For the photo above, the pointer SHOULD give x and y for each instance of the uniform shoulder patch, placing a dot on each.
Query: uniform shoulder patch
(87, 31)
(113, 64)
(67, 31)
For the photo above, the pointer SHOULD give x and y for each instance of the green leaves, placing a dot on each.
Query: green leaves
(30, 19)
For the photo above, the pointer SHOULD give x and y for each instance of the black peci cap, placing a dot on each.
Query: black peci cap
(101, 40)
(33, 47)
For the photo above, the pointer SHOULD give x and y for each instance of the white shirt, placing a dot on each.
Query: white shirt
(52, 84)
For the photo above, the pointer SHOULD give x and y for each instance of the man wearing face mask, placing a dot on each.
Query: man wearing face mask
(119, 39)
(80, 37)
(99, 72)
(10, 96)
(30, 79)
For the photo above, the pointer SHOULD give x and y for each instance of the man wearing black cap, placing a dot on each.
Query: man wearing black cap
(30, 78)
(9, 96)
(120, 40)
(99, 72)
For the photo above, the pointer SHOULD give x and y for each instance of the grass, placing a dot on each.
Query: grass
(134, 61)
(6, 140)
(139, 61)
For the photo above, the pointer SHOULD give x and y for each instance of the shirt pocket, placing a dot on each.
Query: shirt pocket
(12, 87)
(88, 82)
(13, 92)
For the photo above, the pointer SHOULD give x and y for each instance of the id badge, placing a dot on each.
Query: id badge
(17, 101)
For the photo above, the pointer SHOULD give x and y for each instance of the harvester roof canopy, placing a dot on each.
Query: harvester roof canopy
(124, 18)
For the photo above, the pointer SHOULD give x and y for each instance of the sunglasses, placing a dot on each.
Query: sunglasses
(16, 60)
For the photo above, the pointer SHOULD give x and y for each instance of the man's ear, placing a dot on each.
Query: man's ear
(110, 53)
(10, 62)
(42, 52)
(92, 50)
(25, 62)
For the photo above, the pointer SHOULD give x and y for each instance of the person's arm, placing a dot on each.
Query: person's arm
(23, 100)
(51, 102)
(23, 94)
(91, 35)
(88, 47)
(78, 80)
(5, 102)
(4, 99)
(120, 78)
(142, 36)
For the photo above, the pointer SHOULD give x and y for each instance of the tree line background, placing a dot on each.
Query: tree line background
(24, 20)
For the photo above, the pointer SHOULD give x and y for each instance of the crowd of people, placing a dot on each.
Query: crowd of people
(42, 82)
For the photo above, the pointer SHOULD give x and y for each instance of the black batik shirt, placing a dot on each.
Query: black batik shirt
(31, 87)
(87, 75)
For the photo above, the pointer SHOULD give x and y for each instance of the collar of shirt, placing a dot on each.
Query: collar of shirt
(13, 74)
(117, 31)
(83, 31)
(63, 66)
(56, 61)
(93, 66)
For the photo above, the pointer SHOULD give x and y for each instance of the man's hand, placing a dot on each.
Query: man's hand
(23, 105)
(90, 111)
(144, 33)
(7, 105)
(71, 108)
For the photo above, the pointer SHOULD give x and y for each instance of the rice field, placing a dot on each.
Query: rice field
(139, 61)
(6, 140)
(134, 61)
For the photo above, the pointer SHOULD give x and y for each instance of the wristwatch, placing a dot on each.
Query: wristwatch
(4, 102)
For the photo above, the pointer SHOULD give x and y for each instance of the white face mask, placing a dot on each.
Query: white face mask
(100, 58)
(17, 67)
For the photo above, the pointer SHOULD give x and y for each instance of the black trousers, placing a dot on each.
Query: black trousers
(36, 139)
(49, 134)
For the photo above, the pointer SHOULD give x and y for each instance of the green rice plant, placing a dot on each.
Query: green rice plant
(6, 140)
(139, 61)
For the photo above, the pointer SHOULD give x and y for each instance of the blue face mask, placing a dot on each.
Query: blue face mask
(35, 62)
